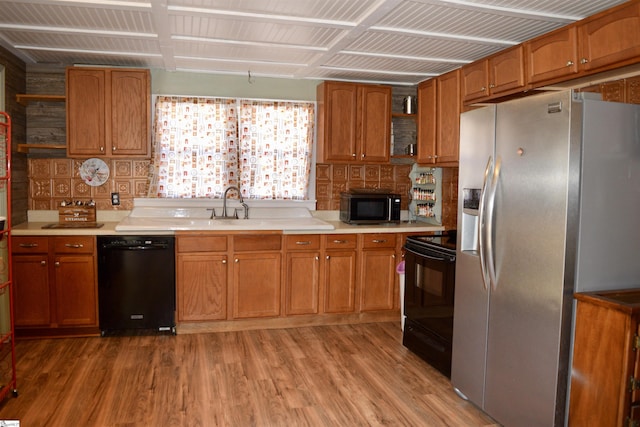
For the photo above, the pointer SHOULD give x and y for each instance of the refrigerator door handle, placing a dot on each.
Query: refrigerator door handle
(481, 220)
(490, 254)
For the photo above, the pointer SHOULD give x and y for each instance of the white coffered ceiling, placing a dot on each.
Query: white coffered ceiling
(390, 41)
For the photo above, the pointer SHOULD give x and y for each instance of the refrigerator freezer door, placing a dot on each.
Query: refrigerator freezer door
(477, 136)
(525, 315)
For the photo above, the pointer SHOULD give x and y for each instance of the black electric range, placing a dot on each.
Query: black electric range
(429, 297)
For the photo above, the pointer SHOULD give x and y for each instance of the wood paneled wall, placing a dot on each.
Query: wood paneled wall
(15, 82)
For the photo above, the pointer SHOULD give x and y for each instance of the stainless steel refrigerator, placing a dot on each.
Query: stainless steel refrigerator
(549, 200)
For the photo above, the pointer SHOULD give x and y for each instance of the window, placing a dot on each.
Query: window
(203, 145)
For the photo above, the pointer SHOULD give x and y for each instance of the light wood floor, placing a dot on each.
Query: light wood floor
(347, 375)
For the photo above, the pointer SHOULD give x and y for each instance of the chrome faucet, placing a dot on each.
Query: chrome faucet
(224, 204)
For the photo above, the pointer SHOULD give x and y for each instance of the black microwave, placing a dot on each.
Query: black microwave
(369, 206)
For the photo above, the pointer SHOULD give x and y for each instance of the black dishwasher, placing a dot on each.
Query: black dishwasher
(136, 284)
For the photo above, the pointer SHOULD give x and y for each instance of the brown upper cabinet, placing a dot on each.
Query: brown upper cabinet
(354, 122)
(498, 75)
(439, 119)
(108, 112)
(610, 39)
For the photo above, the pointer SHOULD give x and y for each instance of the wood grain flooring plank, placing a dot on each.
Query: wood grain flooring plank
(342, 375)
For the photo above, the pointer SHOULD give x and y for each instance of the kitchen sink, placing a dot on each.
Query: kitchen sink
(180, 219)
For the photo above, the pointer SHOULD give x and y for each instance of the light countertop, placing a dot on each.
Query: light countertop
(38, 219)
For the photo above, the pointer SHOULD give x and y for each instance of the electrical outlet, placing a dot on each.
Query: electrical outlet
(115, 199)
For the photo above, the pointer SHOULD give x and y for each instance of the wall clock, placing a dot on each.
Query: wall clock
(94, 172)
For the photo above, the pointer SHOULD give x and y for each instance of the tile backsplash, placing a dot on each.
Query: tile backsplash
(332, 179)
(53, 180)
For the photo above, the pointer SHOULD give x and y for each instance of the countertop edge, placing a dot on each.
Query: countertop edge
(35, 229)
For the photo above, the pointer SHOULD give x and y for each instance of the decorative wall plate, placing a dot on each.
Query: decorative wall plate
(94, 172)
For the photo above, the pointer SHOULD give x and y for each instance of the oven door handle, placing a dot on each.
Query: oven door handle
(423, 255)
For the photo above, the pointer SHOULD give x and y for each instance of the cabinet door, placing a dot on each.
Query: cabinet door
(552, 56)
(375, 132)
(32, 299)
(256, 285)
(427, 122)
(448, 113)
(506, 71)
(202, 287)
(76, 290)
(474, 80)
(340, 121)
(377, 280)
(340, 281)
(610, 40)
(86, 126)
(302, 282)
(130, 113)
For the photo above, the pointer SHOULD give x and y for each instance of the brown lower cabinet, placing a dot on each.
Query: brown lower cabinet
(605, 375)
(255, 280)
(55, 282)
(378, 271)
(244, 276)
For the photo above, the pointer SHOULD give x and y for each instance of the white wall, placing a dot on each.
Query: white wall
(199, 84)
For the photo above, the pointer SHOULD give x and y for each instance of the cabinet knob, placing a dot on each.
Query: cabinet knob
(353, 155)
(102, 149)
(363, 155)
(482, 89)
(327, 257)
(491, 86)
(113, 149)
(569, 63)
(57, 264)
(236, 260)
(584, 60)
(317, 258)
(224, 261)
(43, 262)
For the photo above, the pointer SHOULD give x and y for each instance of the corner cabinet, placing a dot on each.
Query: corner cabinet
(439, 106)
(108, 112)
(354, 122)
(605, 375)
(7, 332)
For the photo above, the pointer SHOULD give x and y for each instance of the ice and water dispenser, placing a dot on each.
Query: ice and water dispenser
(468, 230)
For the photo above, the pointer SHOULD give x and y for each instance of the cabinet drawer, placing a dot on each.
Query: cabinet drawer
(74, 244)
(381, 240)
(258, 242)
(202, 243)
(302, 242)
(28, 244)
(341, 241)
